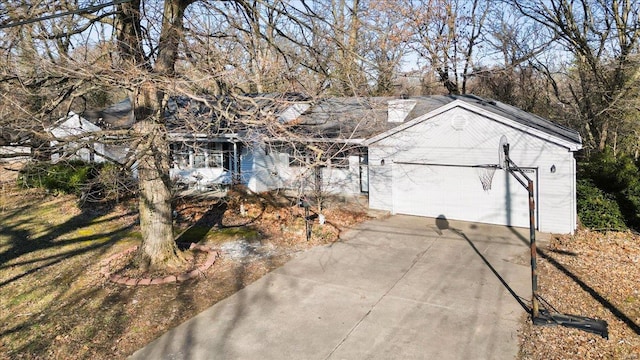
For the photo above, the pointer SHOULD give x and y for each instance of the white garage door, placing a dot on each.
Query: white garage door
(456, 193)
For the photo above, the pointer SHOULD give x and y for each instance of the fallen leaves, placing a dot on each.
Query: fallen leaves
(590, 274)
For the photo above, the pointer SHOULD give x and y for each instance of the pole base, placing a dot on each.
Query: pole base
(594, 326)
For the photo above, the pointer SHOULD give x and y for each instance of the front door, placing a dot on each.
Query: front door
(364, 173)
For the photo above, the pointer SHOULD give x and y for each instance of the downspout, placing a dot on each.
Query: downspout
(574, 196)
(235, 168)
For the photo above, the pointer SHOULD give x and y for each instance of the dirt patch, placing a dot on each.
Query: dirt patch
(9, 171)
(591, 274)
(56, 302)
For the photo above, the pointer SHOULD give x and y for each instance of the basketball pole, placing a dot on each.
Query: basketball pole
(511, 167)
(544, 316)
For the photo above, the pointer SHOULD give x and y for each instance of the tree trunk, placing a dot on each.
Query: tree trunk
(158, 247)
(604, 133)
(128, 33)
(152, 152)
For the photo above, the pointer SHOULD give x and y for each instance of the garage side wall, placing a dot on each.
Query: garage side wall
(463, 138)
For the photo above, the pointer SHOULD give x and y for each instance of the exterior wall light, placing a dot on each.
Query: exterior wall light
(553, 169)
(382, 162)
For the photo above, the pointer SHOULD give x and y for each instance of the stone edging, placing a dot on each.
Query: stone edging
(129, 281)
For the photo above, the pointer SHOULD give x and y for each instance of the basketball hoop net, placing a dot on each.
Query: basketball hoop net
(485, 174)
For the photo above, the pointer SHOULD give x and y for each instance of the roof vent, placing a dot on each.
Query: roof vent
(399, 109)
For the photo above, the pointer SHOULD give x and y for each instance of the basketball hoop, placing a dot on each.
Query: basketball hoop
(485, 174)
(486, 171)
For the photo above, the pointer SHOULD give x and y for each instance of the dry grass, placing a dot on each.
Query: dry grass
(591, 274)
(55, 304)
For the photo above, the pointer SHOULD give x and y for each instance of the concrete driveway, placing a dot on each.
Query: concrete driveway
(397, 288)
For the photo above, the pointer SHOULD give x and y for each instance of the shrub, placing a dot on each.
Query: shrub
(598, 209)
(68, 177)
(609, 173)
(89, 181)
(629, 201)
(606, 180)
(112, 183)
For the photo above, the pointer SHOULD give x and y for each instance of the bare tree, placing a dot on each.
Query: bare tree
(447, 34)
(147, 36)
(514, 47)
(336, 30)
(602, 38)
(386, 36)
(149, 51)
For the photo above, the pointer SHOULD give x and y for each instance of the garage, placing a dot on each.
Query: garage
(432, 165)
(456, 192)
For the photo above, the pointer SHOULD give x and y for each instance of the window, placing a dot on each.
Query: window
(197, 155)
(180, 156)
(364, 158)
(297, 156)
(215, 154)
(340, 160)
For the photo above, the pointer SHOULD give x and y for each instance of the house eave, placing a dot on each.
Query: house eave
(570, 145)
(184, 136)
(358, 141)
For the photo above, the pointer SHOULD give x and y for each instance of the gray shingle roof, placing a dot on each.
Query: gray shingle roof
(342, 118)
(116, 116)
(328, 118)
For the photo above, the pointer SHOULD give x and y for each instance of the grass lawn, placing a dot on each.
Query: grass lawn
(55, 303)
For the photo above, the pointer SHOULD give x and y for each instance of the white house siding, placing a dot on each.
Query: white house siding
(263, 172)
(260, 171)
(14, 153)
(246, 168)
(343, 181)
(294, 177)
(463, 138)
(78, 153)
(117, 153)
(381, 176)
(557, 206)
(75, 126)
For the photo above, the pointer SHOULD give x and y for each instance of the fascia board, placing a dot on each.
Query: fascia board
(356, 141)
